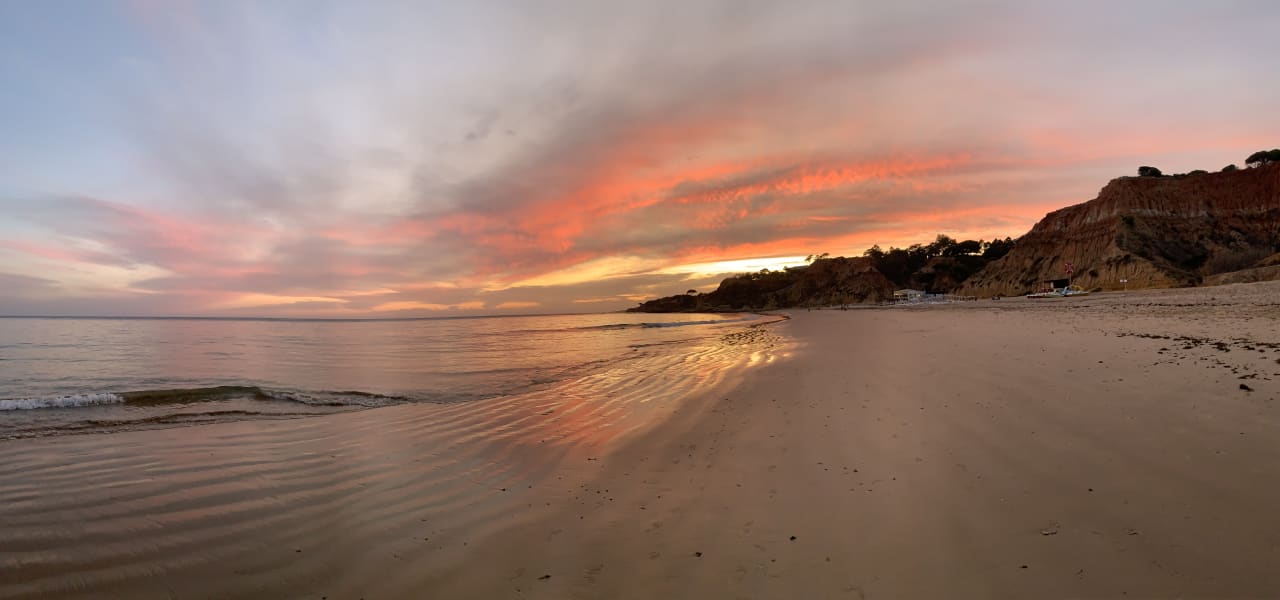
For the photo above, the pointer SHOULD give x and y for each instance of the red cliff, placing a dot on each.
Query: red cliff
(1153, 231)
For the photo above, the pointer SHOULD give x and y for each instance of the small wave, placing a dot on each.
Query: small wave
(685, 323)
(662, 343)
(202, 394)
(656, 324)
(69, 401)
(191, 395)
(364, 399)
(616, 326)
(607, 327)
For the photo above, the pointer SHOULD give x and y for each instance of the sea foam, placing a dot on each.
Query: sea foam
(71, 401)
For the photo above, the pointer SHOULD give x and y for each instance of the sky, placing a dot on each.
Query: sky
(403, 159)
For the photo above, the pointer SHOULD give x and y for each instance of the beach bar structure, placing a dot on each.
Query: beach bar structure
(922, 297)
(904, 296)
(1050, 285)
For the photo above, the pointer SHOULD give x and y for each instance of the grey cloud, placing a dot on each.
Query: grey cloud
(483, 126)
(298, 177)
(15, 285)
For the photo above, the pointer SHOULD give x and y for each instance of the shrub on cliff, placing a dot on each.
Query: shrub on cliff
(997, 248)
(1235, 259)
(1263, 157)
(1149, 172)
(904, 266)
(965, 248)
(1230, 168)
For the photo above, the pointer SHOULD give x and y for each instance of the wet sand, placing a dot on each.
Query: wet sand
(1090, 447)
(983, 450)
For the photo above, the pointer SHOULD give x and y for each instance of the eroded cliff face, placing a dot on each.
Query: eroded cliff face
(1152, 231)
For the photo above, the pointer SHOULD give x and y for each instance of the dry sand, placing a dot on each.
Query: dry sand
(1084, 447)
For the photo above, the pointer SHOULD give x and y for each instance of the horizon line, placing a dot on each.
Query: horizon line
(336, 319)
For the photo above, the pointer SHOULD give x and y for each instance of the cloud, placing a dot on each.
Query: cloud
(261, 300)
(516, 304)
(269, 159)
(409, 305)
(17, 285)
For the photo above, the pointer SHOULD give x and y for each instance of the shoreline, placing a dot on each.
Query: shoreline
(274, 507)
(1100, 447)
(155, 400)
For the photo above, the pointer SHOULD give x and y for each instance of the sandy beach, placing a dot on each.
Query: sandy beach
(1116, 445)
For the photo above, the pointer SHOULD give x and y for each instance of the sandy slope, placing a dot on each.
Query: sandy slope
(1090, 447)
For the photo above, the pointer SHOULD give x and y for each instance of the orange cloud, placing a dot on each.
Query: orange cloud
(558, 229)
(403, 305)
(260, 300)
(619, 298)
(517, 304)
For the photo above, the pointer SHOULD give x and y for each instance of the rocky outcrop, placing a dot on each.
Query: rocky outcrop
(836, 281)
(1152, 231)
(826, 282)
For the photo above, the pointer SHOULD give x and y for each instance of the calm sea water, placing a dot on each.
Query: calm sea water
(66, 375)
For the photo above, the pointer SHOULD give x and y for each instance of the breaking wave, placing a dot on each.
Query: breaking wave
(200, 394)
(68, 401)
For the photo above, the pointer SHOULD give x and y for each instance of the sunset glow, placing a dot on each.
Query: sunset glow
(746, 265)
(349, 159)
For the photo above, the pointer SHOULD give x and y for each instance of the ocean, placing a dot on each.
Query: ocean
(61, 376)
